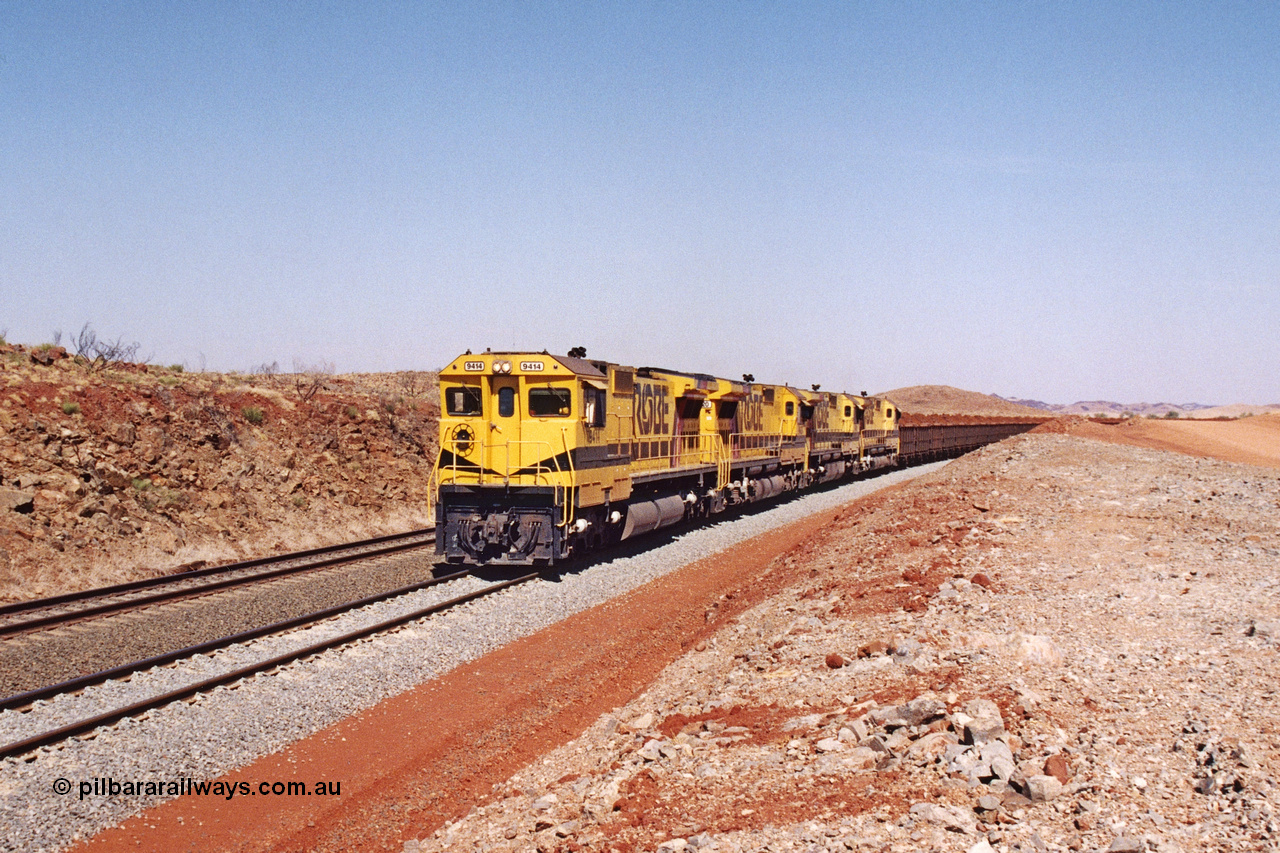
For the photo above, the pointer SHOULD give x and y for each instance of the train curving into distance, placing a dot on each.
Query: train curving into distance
(544, 456)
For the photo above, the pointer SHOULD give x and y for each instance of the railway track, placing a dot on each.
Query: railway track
(158, 622)
(107, 718)
(64, 609)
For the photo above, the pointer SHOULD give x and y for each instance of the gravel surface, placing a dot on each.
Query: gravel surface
(1051, 645)
(50, 657)
(185, 579)
(229, 727)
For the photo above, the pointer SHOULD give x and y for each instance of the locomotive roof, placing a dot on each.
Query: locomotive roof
(579, 366)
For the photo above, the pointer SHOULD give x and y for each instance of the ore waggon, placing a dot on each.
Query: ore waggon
(545, 456)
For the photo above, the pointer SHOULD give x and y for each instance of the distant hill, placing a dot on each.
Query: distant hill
(1108, 408)
(1235, 410)
(945, 400)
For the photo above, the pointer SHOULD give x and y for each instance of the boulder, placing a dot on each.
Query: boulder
(931, 747)
(651, 751)
(1124, 844)
(945, 816)
(641, 723)
(122, 433)
(906, 648)
(114, 477)
(997, 755)
(988, 803)
(875, 647)
(985, 723)
(922, 709)
(1057, 767)
(1268, 632)
(14, 500)
(913, 713)
(862, 758)
(48, 355)
(1043, 788)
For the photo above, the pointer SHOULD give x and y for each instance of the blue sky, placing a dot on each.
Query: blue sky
(1053, 200)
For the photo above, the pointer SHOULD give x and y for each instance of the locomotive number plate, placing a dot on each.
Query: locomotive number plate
(473, 365)
(531, 366)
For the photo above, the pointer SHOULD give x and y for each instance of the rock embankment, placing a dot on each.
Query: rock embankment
(1053, 644)
(109, 473)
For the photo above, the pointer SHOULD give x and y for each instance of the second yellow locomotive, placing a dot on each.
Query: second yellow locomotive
(545, 456)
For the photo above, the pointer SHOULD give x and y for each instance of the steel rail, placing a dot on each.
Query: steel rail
(131, 586)
(21, 700)
(425, 538)
(71, 730)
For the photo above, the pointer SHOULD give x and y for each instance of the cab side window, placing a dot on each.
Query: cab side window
(593, 406)
(462, 400)
(549, 402)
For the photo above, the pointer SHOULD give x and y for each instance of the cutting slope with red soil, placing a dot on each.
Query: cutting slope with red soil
(1248, 441)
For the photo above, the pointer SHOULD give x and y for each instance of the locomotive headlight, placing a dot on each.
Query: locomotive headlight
(502, 367)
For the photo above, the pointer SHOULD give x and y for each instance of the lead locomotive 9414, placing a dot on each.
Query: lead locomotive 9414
(543, 456)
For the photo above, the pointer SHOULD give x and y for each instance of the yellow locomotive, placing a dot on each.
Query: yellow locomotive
(545, 456)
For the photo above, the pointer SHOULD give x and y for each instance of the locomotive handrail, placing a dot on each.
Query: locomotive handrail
(723, 464)
(695, 449)
(736, 448)
(567, 513)
(540, 473)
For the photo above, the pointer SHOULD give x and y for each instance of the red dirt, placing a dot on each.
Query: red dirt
(461, 736)
(913, 419)
(1248, 441)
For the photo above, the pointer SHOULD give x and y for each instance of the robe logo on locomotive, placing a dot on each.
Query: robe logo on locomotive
(653, 407)
(751, 414)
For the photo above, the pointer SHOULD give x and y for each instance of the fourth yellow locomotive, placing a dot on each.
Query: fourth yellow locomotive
(545, 456)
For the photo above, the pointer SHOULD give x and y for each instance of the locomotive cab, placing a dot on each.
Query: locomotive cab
(880, 441)
(524, 439)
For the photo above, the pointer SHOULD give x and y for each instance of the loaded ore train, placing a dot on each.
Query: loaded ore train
(543, 456)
